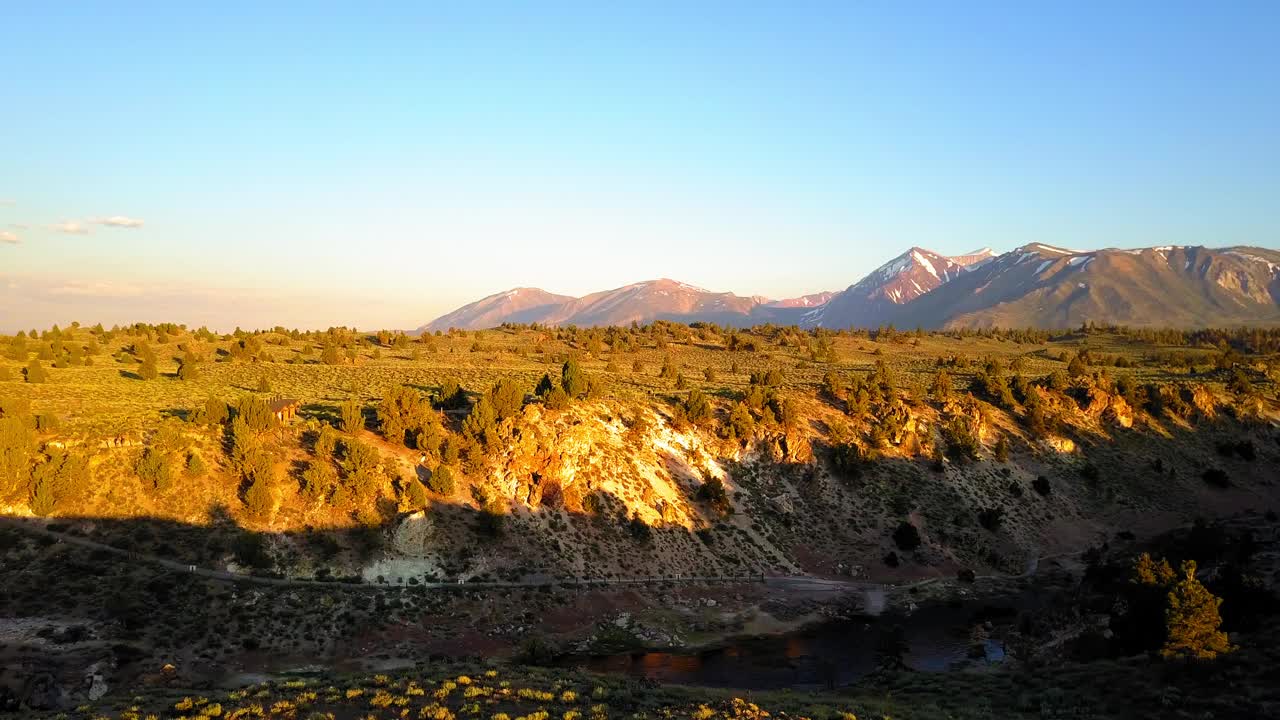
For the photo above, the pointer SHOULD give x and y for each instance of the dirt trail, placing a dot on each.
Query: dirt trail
(803, 583)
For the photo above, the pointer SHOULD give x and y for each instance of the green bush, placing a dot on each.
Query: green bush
(441, 481)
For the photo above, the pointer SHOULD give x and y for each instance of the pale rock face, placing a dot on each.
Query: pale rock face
(1204, 402)
(413, 535)
(96, 680)
(1061, 444)
(1120, 412)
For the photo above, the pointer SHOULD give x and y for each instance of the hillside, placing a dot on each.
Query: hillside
(653, 300)
(518, 305)
(1041, 286)
(641, 302)
(588, 489)
(897, 282)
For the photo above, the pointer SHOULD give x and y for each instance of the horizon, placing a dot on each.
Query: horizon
(253, 167)
(145, 313)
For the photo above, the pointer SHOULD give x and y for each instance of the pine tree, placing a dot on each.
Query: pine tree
(1193, 620)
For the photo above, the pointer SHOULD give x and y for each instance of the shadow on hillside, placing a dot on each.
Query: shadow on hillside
(1191, 471)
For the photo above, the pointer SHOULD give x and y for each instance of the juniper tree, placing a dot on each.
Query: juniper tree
(148, 370)
(507, 397)
(153, 468)
(256, 413)
(572, 379)
(441, 481)
(258, 497)
(214, 412)
(189, 369)
(352, 420)
(402, 410)
(35, 372)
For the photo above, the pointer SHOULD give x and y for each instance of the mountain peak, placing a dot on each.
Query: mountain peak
(1040, 248)
(1035, 285)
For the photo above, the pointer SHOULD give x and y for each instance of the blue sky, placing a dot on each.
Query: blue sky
(325, 164)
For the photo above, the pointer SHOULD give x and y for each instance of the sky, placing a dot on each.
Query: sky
(379, 164)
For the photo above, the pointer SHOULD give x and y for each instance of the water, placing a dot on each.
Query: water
(835, 653)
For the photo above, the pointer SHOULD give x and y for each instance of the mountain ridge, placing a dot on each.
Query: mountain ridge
(1033, 285)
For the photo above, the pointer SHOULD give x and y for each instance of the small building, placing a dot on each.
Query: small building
(284, 409)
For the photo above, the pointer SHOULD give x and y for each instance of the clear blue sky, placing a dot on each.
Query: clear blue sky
(380, 163)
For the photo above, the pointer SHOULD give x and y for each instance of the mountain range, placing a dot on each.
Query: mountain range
(1035, 285)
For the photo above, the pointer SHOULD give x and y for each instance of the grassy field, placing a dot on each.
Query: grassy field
(108, 397)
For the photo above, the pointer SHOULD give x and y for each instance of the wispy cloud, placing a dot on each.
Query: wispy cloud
(9, 238)
(97, 289)
(70, 227)
(119, 221)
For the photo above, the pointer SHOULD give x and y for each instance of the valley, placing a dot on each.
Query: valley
(575, 496)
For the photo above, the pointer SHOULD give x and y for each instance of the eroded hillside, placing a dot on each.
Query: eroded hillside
(881, 458)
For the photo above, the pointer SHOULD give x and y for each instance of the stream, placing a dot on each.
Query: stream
(935, 638)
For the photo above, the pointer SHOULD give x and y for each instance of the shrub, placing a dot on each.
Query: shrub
(16, 446)
(555, 399)
(319, 479)
(402, 410)
(352, 420)
(415, 494)
(906, 536)
(35, 372)
(697, 408)
(962, 444)
(441, 481)
(195, 466)
(258, 497)
(214, 412)
(507, 397)
(1216, 477)
(1041, 485)
(572, 379)
(713, 493)
(991, 518)
(639, 529)
(62, 476)
(255, 413)
(251, 551)
(189, 370)
(153, 469)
